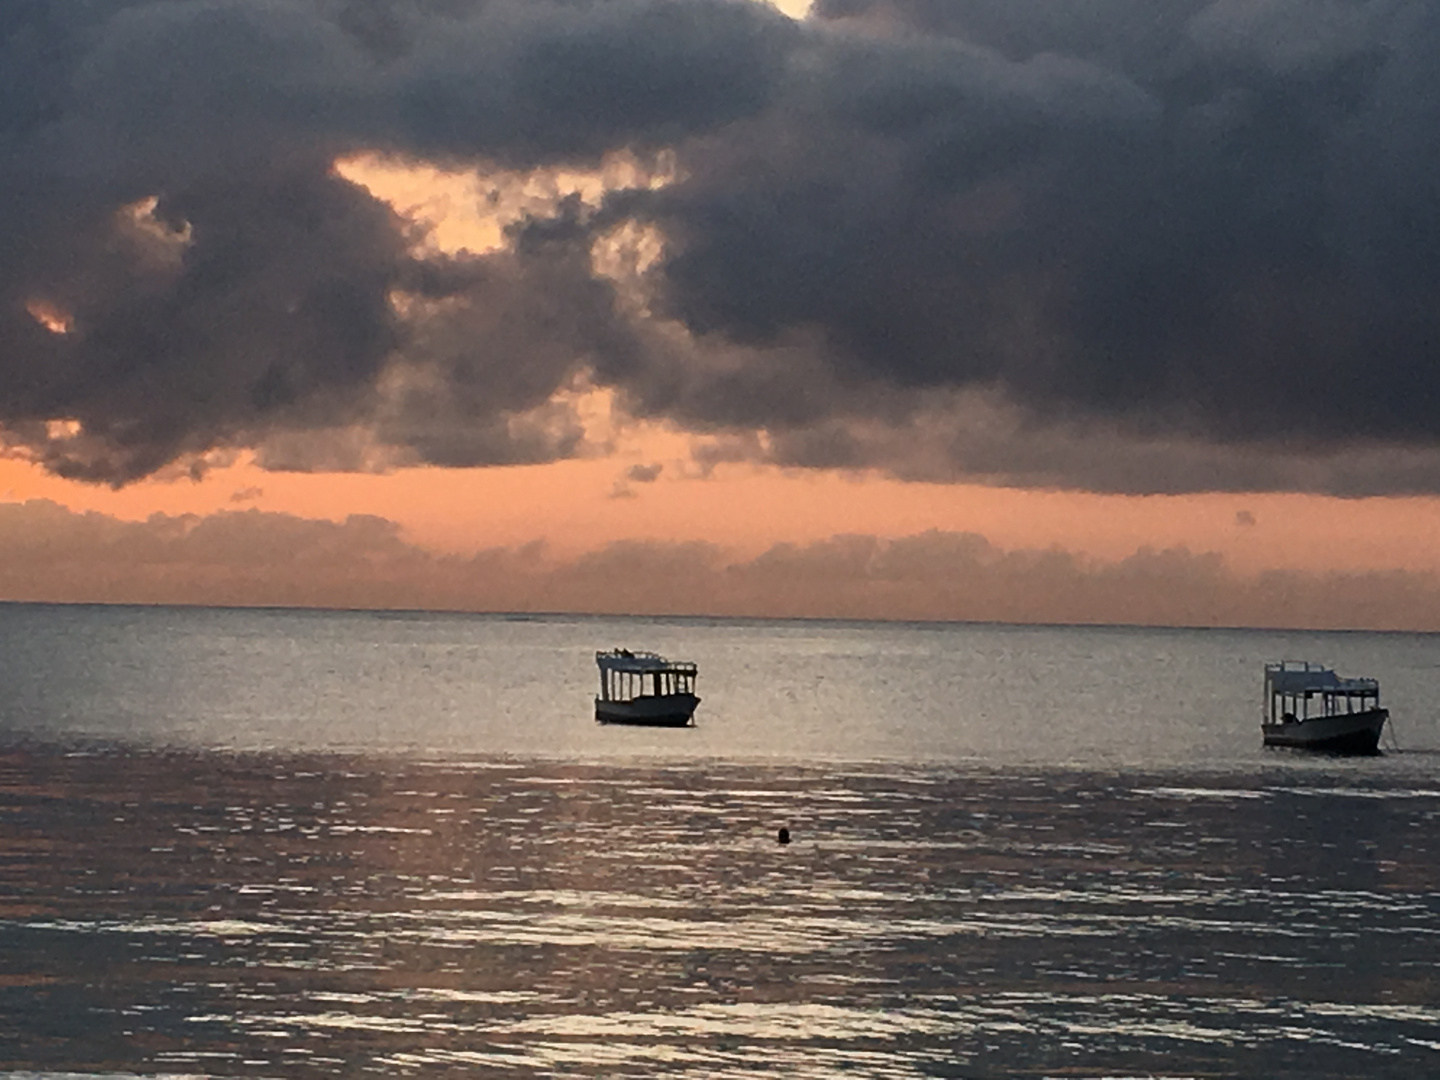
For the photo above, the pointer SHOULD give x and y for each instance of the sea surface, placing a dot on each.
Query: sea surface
(292, 844)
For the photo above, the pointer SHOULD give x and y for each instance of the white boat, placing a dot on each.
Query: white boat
(645, 688)
(1309, 706)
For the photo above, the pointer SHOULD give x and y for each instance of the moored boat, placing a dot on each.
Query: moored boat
(1309, 706)
(646, 689)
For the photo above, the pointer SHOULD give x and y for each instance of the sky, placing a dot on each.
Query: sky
(1036, 310)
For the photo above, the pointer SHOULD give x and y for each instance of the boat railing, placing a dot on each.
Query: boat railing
(627, 675)
(1291, 684)
(626, 660)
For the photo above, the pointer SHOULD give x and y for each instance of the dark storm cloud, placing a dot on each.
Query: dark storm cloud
(167, 192)
(1177, 244)
(1217, 219)
(530, 82)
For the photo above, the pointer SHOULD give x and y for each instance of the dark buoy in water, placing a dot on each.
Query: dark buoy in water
(784, 835)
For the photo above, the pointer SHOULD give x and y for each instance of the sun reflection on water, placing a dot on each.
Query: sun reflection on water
(251, 915)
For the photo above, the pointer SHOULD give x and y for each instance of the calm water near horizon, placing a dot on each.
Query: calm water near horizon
(295, 843)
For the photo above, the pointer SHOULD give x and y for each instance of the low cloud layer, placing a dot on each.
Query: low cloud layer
(1133, 245)
(248, 558)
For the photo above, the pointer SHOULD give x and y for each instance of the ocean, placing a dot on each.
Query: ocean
(271, 843)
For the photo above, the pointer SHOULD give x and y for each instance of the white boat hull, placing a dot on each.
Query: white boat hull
(1344, 733)
(667, 710)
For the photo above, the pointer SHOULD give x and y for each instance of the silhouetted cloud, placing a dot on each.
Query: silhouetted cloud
(48, 553)
(1139, 245)
(1214, 221)
(170, 203)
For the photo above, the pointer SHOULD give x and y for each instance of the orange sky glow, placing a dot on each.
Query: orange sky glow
(640, 480)
(576, 506)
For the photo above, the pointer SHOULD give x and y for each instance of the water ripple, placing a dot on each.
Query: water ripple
(305, 917)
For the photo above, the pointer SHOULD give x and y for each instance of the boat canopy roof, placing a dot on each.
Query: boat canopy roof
(1302, 677)
(641, 663)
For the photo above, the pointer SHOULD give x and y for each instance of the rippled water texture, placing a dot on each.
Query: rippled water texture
(225, 914)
